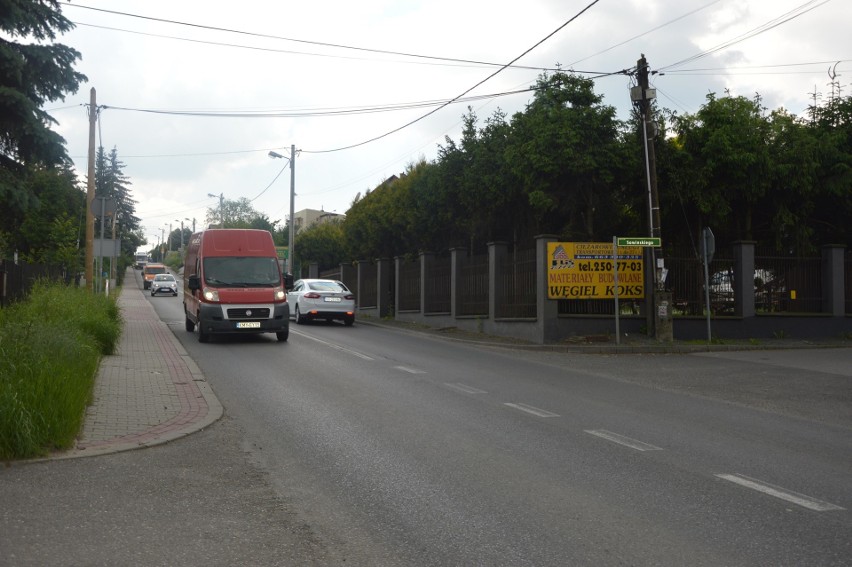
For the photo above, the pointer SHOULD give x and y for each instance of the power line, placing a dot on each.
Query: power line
(489, 77)
(610, 48)
(771, 24)
(280, 38)
(319, 111)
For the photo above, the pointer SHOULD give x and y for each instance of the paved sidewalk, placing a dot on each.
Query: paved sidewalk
(149, 392)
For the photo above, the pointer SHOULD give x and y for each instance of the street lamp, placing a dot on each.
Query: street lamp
(181, 234)
(290, 246)
(221, 197)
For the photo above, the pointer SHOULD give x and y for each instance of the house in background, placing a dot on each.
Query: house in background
(309, 217)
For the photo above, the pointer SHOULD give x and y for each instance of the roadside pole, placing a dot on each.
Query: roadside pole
(708, 248)
(615, 289)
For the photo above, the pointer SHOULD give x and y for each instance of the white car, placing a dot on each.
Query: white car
(164, 283)
(321, 299)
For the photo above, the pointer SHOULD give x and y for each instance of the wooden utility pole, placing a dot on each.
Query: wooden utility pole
(659, 316)
(90, 194)
(648, 131)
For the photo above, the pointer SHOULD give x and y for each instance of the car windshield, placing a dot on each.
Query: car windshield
(326, 286)
(164, 278)
(241, 271)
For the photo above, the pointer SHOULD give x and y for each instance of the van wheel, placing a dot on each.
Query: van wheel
(190, 326)
(283, 335)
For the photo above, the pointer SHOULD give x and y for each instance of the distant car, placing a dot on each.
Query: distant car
(321, 299)
(164, 283)
(150, 271)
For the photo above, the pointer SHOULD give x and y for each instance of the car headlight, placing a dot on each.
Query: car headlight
(211, 294)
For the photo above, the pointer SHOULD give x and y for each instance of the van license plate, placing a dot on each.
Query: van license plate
(249, 325)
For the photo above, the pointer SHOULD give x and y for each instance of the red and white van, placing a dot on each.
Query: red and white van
(232, 284)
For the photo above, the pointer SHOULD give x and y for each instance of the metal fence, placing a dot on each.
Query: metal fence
(472, 292)
(16, 280)
(686, 282)
(847, 270)
(438, 280)
(369, 279)
(516, 286)
(408, 294)
(784, 283)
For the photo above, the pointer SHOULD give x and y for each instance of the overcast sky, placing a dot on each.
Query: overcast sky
(311, 70)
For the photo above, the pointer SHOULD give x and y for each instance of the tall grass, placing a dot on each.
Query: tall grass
(50, 347)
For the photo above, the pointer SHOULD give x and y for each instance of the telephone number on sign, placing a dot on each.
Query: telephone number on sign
(608, 266)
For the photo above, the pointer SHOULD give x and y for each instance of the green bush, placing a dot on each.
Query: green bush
(50, 347)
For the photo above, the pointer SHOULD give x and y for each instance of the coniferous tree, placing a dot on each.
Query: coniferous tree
(33, 71)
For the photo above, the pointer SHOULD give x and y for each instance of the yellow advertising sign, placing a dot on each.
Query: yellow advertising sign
(584, 270)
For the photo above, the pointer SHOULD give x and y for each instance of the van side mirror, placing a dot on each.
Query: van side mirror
(288, 281)
(193, 283)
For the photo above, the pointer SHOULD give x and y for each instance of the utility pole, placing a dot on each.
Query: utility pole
(290, 240)
(90, 194)
(291, 259)
(659, 302)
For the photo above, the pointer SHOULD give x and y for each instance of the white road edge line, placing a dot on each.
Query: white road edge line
(622, 440)
(533, 410)
(782, 493)
(334, 346)
(464, 388)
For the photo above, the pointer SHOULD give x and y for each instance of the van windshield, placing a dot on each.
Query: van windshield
(241, 271)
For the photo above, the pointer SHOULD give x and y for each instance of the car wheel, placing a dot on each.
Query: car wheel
(349, 321)
(283, 335)
(299, 318)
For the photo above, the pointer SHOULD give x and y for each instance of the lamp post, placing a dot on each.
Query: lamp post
(181, 233)
(221, 197)
(290, 246)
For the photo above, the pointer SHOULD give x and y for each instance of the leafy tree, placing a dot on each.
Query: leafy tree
(323, 243)
(55, 222)
(33, 71)
(833, 198)
(727, 143)
(566, 151)
(783, 216)
(370, 223)
(238, 213)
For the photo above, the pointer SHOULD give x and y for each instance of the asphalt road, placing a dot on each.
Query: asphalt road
(368, 446)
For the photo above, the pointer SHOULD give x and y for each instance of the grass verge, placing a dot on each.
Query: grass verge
(50, 348)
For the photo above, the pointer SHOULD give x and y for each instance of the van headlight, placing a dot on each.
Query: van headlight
(280, 294)
(211, 294)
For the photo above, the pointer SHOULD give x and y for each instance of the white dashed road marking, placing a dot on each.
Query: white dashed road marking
(334, 346)
(782, 493)
(533, 410)
(464, 388)
(409, 370)
(622, 440)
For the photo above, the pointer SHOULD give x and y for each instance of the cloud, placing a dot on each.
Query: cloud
(174, 162)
